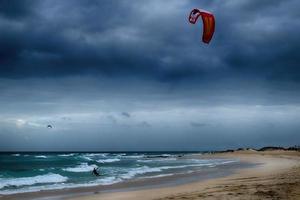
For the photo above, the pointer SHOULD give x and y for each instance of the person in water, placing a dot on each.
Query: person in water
(95, 172)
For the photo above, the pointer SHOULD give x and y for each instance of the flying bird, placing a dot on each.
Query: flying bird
(208, 23)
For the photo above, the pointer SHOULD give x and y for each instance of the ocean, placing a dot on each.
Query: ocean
(30, 172)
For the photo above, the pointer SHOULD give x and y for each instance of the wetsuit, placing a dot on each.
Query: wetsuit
(95, 172)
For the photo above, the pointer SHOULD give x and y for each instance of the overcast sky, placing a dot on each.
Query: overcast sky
(127, 75)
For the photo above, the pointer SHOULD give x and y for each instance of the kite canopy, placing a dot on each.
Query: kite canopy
(208, 23)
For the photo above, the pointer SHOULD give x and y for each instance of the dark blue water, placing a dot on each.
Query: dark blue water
(34, 172)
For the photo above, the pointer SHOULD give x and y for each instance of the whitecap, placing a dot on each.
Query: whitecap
(96, 154)
(47, 178)
(157, 160)
(133, 156)
(140, 170)
(110, 160)
(103, 181)
(84, 167)
(86, 158)
(41, 156)
(66, 155)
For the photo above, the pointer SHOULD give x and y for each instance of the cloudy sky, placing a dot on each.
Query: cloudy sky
(127, 75)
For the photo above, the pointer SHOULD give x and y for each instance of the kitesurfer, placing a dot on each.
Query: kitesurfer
(95, 172)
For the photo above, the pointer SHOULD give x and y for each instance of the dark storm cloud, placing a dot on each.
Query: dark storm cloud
(266, 44)
(14, 9)
(134, 74)
(95, 37)
(125, 38)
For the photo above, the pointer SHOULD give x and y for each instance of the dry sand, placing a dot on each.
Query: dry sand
(277, 177)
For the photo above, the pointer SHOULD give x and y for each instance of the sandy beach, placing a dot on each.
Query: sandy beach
(268, 175)
(149, 100)
(276, 177)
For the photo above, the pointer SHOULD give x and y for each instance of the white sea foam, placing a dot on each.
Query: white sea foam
(146, 161)
(86, 158)
(158, 176)
(103, 181)
(157, 160)
(41, 156)
(17, 154)
(227, 162)
(140, 170)
(92, 156)
(133, 156)
(109, 160)
(47, 178)
(83, 167)
(119, 154)
(106, 181)
(145, 169)
(96, 154)
(66, 155)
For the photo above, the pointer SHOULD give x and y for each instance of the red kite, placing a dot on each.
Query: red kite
(208, 23)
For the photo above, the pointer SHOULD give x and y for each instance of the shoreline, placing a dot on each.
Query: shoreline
(259, 164)
(272, 166)
(141, 183)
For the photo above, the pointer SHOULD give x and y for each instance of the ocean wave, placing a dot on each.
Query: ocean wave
(66, 155)
(185, 166)
(95, 154)
(227, 162)
(40, 156)
(119, 154)
(86, 158)
(133, 156)
(84, 167)
(145, 169)
(109, 160)
(140, 170)
(160, 156)
(104, 181)
(47, 178)
(157, 160)
(158, 176)
(16, 154)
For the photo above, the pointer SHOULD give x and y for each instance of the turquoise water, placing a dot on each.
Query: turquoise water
(21, 173)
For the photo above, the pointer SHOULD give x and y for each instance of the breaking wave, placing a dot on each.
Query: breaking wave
(47, 178)
(84, 167)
